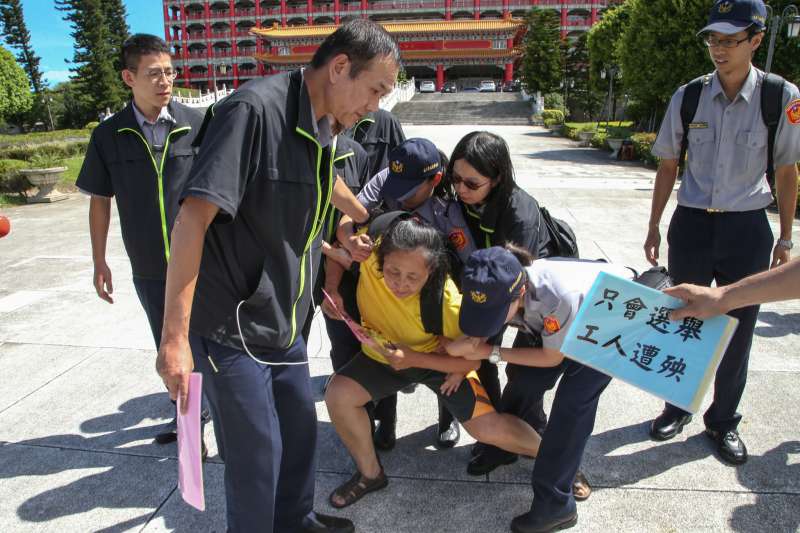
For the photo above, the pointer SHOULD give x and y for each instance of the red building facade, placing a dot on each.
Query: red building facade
(217, 41)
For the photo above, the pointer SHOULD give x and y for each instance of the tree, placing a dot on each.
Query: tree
(582, 98)
(17, 36)
(94, 57)
(787, 51)
(15, 95)
(603, 41)
(543, 62)
(117, 19)
(660, 51)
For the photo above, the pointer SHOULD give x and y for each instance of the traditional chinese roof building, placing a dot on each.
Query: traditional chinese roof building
(231, 41)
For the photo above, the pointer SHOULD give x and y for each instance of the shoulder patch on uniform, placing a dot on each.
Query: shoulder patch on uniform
(793, 112)
(551, 324)
(458, 238)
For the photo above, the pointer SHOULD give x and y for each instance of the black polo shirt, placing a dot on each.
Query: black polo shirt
(378, 133)
(262, 165)
(352, 165)
(513, 217)
(146, 184)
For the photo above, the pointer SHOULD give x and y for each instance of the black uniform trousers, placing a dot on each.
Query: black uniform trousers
(266, 429)
(151, 295)
(526, 406)
(571, 423)
(722, 247)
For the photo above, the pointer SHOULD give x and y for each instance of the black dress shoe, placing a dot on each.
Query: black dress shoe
(385, 435)
(170, 433)
(477, 449)
(489, 459)
(730, 447)
(448, 436)
(320, 523)
(527, 523)
(667, 425)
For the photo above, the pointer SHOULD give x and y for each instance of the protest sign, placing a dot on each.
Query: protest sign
(623, 329)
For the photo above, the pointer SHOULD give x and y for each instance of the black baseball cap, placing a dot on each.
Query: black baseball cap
(733, 16)
(492, 279)
(410, 164)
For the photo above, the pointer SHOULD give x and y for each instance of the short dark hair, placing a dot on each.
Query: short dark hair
(361, 41)
(753, 30)
(488, 154)
(138, 45)
(524, 256)
(409, 233)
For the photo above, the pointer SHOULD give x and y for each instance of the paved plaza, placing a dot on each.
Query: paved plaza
(80, 400)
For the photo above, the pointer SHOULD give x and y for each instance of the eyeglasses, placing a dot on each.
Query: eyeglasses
(154, 75)
(471, 185)
(713, 42)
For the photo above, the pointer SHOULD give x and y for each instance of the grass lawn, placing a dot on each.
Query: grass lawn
(73, 165)
(43, 137)
(11, 199)
(620, 129)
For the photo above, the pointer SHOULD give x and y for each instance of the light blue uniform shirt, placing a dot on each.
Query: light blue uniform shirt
(727, 154)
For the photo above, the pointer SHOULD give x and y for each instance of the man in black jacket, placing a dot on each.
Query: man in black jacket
(141, 156)
(254, 209)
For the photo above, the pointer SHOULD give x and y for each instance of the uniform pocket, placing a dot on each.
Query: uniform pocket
(702, 150)
(750, 153)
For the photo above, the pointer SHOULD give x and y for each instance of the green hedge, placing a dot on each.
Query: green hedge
(10, 179)
(62, 149)
(556, 116)
(599, 140)
(642, 146)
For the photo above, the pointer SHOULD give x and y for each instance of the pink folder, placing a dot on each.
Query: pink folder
(364, 335)
(190, 469)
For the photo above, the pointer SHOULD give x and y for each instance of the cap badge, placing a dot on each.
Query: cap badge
(478, 297)
(397, 167)
(551, 324)
(724, 7)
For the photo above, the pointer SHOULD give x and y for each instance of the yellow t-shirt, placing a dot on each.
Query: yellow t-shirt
(400, 321)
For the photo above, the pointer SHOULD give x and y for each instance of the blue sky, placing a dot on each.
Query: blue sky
(51, 39)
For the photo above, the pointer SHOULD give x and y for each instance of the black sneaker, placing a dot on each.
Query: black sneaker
(169, 433)
(489, 459)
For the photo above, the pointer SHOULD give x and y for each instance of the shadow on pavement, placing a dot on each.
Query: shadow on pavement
(778, 325)
(778, 459)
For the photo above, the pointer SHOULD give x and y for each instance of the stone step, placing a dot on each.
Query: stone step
(468, 108)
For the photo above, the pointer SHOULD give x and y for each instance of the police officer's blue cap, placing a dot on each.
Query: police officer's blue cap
(732, 16)
(410, 164)
(492, 279)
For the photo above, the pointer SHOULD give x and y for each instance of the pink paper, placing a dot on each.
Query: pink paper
(190, 468)
(364, 335)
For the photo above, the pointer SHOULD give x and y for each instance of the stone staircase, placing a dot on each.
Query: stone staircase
(465, 108)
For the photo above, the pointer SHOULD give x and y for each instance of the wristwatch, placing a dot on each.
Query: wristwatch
(495, 356)
(788, 244)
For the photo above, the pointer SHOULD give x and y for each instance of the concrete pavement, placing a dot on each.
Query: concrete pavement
(80, 401)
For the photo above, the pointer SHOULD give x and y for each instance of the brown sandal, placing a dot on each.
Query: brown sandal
(356, 488)
(581, 490)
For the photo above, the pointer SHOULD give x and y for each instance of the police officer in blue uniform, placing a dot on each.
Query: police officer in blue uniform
(503, 286)
(246, 241)
(719, 231)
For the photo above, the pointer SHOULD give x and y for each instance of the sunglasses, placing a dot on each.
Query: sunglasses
(471, 185)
